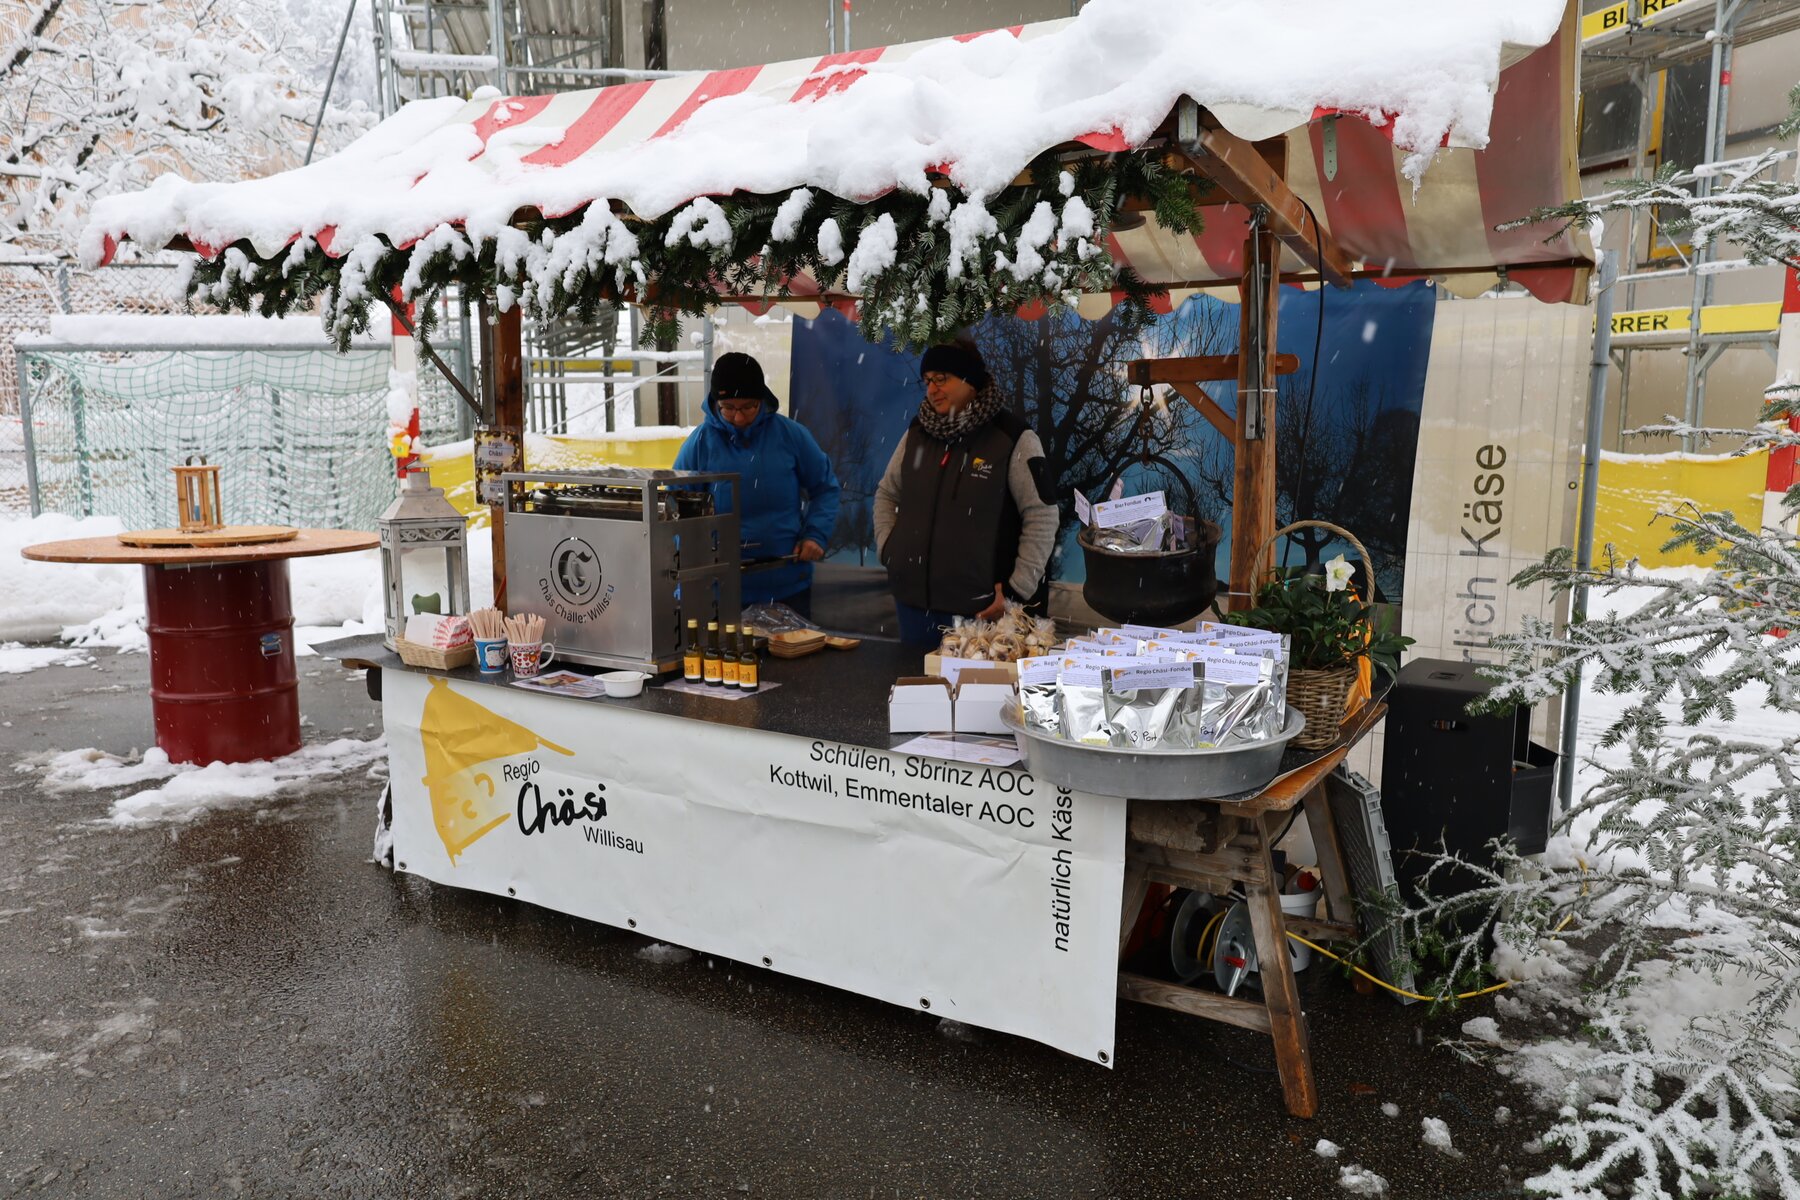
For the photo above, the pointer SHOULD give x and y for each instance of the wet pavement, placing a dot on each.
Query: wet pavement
(247, 1005)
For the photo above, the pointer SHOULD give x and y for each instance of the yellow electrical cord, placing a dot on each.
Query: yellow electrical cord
(1498, 987)
(1201, 955)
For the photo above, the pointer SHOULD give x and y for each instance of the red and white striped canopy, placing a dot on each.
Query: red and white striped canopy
(475, 164)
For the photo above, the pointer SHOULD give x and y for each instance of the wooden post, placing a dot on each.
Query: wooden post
(509, 413)
(1253, 489)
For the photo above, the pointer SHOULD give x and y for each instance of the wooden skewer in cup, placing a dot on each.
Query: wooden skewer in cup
(487, 624)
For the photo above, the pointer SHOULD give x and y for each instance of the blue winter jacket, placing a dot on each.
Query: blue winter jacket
(790, 491)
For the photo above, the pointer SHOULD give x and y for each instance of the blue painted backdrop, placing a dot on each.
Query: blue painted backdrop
(1347, 421)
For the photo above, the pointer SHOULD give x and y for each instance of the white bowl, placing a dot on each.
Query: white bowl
(623, 684)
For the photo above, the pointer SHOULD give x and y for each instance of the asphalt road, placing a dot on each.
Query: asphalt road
(247, 1005)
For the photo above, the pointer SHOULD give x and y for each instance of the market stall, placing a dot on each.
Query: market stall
(1114, 160)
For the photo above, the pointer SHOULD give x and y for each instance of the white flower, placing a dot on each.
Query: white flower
(1337, 574)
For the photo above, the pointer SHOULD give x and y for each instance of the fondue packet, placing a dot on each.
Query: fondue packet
(1241, 701)
(1144, 632)
(1082, 705)
(1152, 706)
(1039, 703)
(1134, 537)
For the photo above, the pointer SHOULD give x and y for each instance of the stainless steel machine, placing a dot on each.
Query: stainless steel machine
(618, 560)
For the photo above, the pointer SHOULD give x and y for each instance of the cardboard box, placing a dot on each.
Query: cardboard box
(982, 696)
(920, 704)
(952, 668)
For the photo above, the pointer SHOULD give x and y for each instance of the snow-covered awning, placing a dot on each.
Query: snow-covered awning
(1412, 129)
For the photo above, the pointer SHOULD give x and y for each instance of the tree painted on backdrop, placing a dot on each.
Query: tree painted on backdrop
(1066, 377)
(98, 97)
(1689, 829)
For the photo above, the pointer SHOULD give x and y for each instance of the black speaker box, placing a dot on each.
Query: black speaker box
(1453, 782)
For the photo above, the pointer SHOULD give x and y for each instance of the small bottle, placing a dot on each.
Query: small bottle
(711, 666)
(749, 669)
(691, 670)
(728, 660)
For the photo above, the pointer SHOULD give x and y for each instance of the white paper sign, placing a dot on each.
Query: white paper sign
(975, 890)
(1083, 510)
(1132, 508)
(1159, 675)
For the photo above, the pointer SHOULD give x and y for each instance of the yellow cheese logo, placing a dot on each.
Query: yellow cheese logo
(460, 739)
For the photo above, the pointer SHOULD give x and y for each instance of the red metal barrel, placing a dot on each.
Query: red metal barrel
(222, 681)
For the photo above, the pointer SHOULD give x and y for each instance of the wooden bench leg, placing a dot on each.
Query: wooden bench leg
(1281, 995)
(1323, 827)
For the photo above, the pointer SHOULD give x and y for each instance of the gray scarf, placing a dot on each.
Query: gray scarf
(955, 426)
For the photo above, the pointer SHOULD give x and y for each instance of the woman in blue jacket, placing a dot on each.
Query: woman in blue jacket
(790, 492)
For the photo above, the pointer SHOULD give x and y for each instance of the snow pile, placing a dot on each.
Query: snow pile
(17, 660)
(1360, 1181)
(1436, 1134)
(663, 954)
(38, 600)
(984, 107)
(1327, 1149)
(186, 791)
(120, 331)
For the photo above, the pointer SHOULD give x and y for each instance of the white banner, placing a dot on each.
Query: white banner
(973, 892)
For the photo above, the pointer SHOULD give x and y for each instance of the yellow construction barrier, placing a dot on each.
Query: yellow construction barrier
(1635, 487)
(452, 466)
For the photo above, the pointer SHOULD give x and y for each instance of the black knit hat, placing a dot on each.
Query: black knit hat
(737, 376)
(960, 358)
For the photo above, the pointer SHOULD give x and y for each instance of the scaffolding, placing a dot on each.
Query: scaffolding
(1633, 41)
(577, 377)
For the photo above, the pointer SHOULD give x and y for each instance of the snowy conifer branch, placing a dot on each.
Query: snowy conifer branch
(1692, 831)
(1747, 203)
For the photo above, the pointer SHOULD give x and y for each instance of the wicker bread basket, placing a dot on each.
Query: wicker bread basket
(415, 655)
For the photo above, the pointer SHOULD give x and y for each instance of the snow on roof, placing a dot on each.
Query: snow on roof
(176, 331)
(861, 123)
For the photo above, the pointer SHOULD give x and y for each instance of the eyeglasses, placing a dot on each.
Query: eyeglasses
(937, 379)
(739, 406)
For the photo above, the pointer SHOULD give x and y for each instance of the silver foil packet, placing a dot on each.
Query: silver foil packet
(1147, 706)
(1039, 704)
(1134, 537)
(1081, 702)
(1241, 703)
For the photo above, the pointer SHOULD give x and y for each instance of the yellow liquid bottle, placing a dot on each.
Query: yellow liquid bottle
(710, 665)
(728, 662)
(691, 668)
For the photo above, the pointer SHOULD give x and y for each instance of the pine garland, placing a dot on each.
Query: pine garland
(921, 266)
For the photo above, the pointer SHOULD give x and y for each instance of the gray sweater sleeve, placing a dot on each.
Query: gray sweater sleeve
(1038, 520)
(887, 497)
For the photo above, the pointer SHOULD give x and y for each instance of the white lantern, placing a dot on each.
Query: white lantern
(424, 555)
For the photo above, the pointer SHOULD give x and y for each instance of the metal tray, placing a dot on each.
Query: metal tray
(1153, 774)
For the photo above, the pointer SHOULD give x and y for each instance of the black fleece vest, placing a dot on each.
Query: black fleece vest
(958, 528)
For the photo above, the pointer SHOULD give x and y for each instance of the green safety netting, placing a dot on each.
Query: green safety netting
(300, 433)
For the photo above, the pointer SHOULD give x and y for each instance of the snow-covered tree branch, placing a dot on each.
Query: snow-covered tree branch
(97, 96)
(1745, 201)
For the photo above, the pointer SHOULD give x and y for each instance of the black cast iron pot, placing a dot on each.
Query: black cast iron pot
(1163, 588)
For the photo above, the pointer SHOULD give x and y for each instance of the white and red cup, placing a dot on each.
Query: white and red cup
(528, 658)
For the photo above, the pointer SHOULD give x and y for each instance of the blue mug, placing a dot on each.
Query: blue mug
(490, 655)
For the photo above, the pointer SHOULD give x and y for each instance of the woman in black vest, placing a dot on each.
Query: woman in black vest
(960, 516)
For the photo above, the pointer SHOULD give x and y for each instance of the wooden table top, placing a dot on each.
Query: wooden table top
(110, 549)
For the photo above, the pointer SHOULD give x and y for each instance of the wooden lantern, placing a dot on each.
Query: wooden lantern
(197, 497)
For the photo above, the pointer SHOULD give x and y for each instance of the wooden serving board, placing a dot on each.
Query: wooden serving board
(229, 535)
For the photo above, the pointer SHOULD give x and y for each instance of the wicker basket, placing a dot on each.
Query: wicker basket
(415, 655)
(1321, 695)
